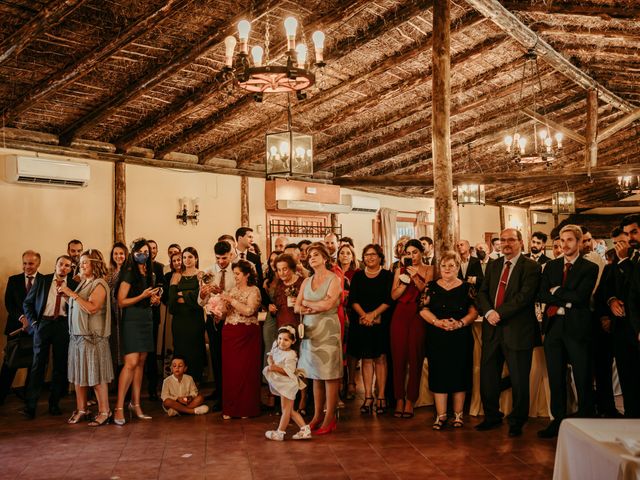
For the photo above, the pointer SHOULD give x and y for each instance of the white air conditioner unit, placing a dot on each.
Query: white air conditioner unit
(305, 206)
(46, 171)
(361, 203)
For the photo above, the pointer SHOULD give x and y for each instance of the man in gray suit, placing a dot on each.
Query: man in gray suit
(509, 330)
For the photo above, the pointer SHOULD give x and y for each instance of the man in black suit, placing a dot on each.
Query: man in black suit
(428, 257)
(624, 303)
(470, 269)
(46, 310)
(536, 248)
(566, 288)
(17, 288)
(244, 242)
(509, 330)
(482, 252)
(74, 250)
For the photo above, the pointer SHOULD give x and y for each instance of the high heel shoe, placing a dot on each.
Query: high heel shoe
(102, 418)
(141, 415)
(381, 406)
(398, 411)
(78, 416)
(119, 421)
(440, 422)
(313, 425)
(332, 427)
(367, 406)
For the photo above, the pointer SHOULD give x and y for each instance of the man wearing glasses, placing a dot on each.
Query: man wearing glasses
(509, 330)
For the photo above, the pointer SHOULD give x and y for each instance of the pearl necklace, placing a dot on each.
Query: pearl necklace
(372, 273)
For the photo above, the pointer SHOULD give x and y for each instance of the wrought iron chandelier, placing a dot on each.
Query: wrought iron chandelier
(258, 76)
(628, 184)
(544, 148)
(470, 193)
(563, 202)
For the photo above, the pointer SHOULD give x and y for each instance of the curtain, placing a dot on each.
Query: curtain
(388, 233)
(422, 218)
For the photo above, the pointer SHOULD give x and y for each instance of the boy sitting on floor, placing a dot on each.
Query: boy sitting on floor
(179, 391)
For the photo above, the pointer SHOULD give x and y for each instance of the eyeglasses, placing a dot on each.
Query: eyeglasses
(508, 240)
(370, 255)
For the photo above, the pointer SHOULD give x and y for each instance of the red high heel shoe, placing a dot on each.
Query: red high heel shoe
(314, 425)
(328, 429)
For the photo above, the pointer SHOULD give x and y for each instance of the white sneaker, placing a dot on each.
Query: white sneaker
(173, 413)
(303, 434)
(274, 435)
(201, 410)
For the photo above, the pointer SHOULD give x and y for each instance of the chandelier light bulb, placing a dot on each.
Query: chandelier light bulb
(229, 47)
(290, 26)
(318, 43)
(273, 150)
(508, 141)
(300, 152)
(522, 142)
(543, 134)
(284, 148)
(256, 53)
(301, 55)
(244, 27)
(559, 138)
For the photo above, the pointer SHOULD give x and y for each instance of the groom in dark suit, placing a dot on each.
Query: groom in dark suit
(17, 288)
(509, 330)
(46, 310)
(566, 288)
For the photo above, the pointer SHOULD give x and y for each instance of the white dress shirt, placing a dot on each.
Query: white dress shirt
(51, 300)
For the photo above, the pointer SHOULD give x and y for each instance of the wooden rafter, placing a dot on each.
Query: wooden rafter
(618, 125)
(576, 8)
(215, 34)
(555, 125)
(508, 22)
(75, 71)
(52, 13)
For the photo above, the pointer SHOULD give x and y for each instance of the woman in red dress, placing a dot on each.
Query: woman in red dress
(241, 346)
(407, 327)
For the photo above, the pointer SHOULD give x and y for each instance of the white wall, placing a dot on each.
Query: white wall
(475, 220)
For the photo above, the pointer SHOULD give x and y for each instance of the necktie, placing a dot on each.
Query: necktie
(56, 308)
(502, 287)
(242, 256)
(223, 275)
(553, 310)
(29, 283)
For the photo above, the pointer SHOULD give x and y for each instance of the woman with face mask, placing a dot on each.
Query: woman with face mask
(136, 295)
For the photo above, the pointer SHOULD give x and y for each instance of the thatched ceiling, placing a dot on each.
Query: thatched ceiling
(147, 73)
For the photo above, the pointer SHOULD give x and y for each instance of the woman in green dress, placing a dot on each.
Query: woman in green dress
(188, 317)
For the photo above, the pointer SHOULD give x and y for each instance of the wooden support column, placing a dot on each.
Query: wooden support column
(119, 202)
(244, 201)
(591, 133)
(334, 222)
(441, 90)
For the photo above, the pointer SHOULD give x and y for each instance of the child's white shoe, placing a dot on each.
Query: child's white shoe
(303, 434)
(173, 413)
(201, 410)
(274, 435)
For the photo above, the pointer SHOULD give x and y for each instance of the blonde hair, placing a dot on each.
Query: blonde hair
(450, 255)
(575, 229)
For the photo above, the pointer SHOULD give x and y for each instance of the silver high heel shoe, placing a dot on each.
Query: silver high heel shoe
(140, 416)
(119, 421)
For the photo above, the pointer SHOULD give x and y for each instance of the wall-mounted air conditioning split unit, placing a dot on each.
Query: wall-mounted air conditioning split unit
(361, 203)
(45, 171)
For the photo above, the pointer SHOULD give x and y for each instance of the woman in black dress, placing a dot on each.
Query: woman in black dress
(448, 309)
(369, 324)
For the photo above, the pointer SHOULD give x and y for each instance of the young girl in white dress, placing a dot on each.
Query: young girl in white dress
(282, 375)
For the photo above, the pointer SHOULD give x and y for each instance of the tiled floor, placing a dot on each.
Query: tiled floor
(207, 447)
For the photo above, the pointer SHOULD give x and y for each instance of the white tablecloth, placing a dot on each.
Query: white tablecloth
(587, 450)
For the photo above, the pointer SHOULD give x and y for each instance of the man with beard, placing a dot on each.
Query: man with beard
(536, 248)
(74, 250)
(557, 247)
(331, 242)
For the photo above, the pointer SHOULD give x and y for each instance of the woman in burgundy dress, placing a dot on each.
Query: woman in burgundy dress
(408, 328)
(241, 346)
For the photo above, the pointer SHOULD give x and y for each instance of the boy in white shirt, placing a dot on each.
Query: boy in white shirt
(179, 391)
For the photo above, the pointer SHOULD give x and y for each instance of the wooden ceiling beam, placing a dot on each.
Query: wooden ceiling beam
(510, 24)
(382, 66)
(215, 34)
(343, 47)
(52, 13)
(75, 71)
(554, 125)
(576, 8)
(615, 127)
(181, 107)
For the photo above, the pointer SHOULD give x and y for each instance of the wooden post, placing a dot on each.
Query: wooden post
(441, 90)
(244, 201)
(119, 202)
(591, 133)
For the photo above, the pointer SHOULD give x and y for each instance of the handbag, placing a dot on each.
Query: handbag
(18, 352)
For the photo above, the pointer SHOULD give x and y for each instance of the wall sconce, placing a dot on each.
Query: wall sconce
(183, 214)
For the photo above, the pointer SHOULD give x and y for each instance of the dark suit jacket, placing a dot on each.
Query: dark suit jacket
(632, 304)
(36, 301)
(542, 259)
(14, 298)
(518, 323)
(474, 269)
(576, 291)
